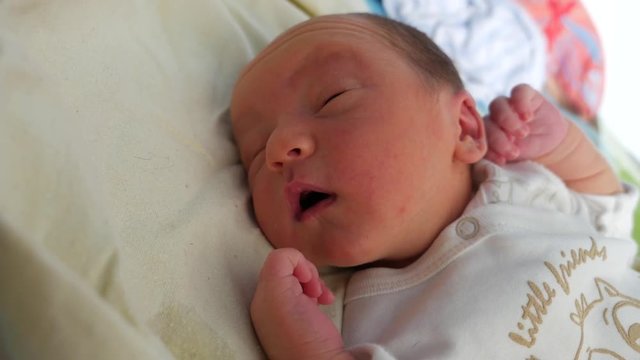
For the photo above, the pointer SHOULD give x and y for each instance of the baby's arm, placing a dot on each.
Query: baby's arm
(285, 311)
(525, 126)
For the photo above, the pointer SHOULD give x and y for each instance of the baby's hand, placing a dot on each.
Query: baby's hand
(285, 311)
(523, 126)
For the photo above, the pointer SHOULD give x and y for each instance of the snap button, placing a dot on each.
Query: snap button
(467, 228)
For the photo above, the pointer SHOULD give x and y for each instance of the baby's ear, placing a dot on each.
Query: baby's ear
(471, 144)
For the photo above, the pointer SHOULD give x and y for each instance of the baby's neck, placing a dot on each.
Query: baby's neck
(461, 193)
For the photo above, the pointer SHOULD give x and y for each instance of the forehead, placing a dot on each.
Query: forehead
(321, 41)
(325, 30)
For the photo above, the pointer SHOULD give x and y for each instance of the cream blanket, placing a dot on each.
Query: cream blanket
(125, 231)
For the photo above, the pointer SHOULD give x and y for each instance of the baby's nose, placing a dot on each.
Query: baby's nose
(286, 146)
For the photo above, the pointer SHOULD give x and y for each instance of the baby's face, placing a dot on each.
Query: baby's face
(349, 156)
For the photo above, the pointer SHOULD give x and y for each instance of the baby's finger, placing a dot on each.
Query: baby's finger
(495, 157)
(312, 288)
(499, 142)
(525, 100)
(311, 283)
(502, 114)
(282, 263)
(304, 271)
(327, 296)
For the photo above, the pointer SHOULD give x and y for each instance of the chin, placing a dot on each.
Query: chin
(342, 257)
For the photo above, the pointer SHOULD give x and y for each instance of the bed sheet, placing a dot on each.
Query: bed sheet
(124, 223)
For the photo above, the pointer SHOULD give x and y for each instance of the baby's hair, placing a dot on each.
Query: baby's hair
(430, 61)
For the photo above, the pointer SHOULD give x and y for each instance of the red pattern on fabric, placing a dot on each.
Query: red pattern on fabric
(575, 57)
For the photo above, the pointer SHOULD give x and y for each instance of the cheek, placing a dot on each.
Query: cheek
(269, 213)
(384, 184)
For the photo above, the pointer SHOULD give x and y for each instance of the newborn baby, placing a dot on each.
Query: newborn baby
(473, 238)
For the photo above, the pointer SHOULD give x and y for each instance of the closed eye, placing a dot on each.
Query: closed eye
(333, 97)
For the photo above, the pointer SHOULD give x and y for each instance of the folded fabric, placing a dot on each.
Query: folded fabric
(575, 57)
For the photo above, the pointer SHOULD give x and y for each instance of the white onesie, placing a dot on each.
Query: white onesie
(531, 270)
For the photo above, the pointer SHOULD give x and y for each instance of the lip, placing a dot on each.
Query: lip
(295, 189)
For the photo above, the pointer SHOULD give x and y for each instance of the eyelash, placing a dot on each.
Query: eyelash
(332, 97)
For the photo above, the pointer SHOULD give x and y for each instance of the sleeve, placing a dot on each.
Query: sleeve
(611, 215)
(530, 184)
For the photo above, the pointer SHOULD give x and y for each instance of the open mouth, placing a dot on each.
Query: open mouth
(307, 202)
(309, 199)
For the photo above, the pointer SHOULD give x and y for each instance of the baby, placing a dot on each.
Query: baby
(504, 237)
